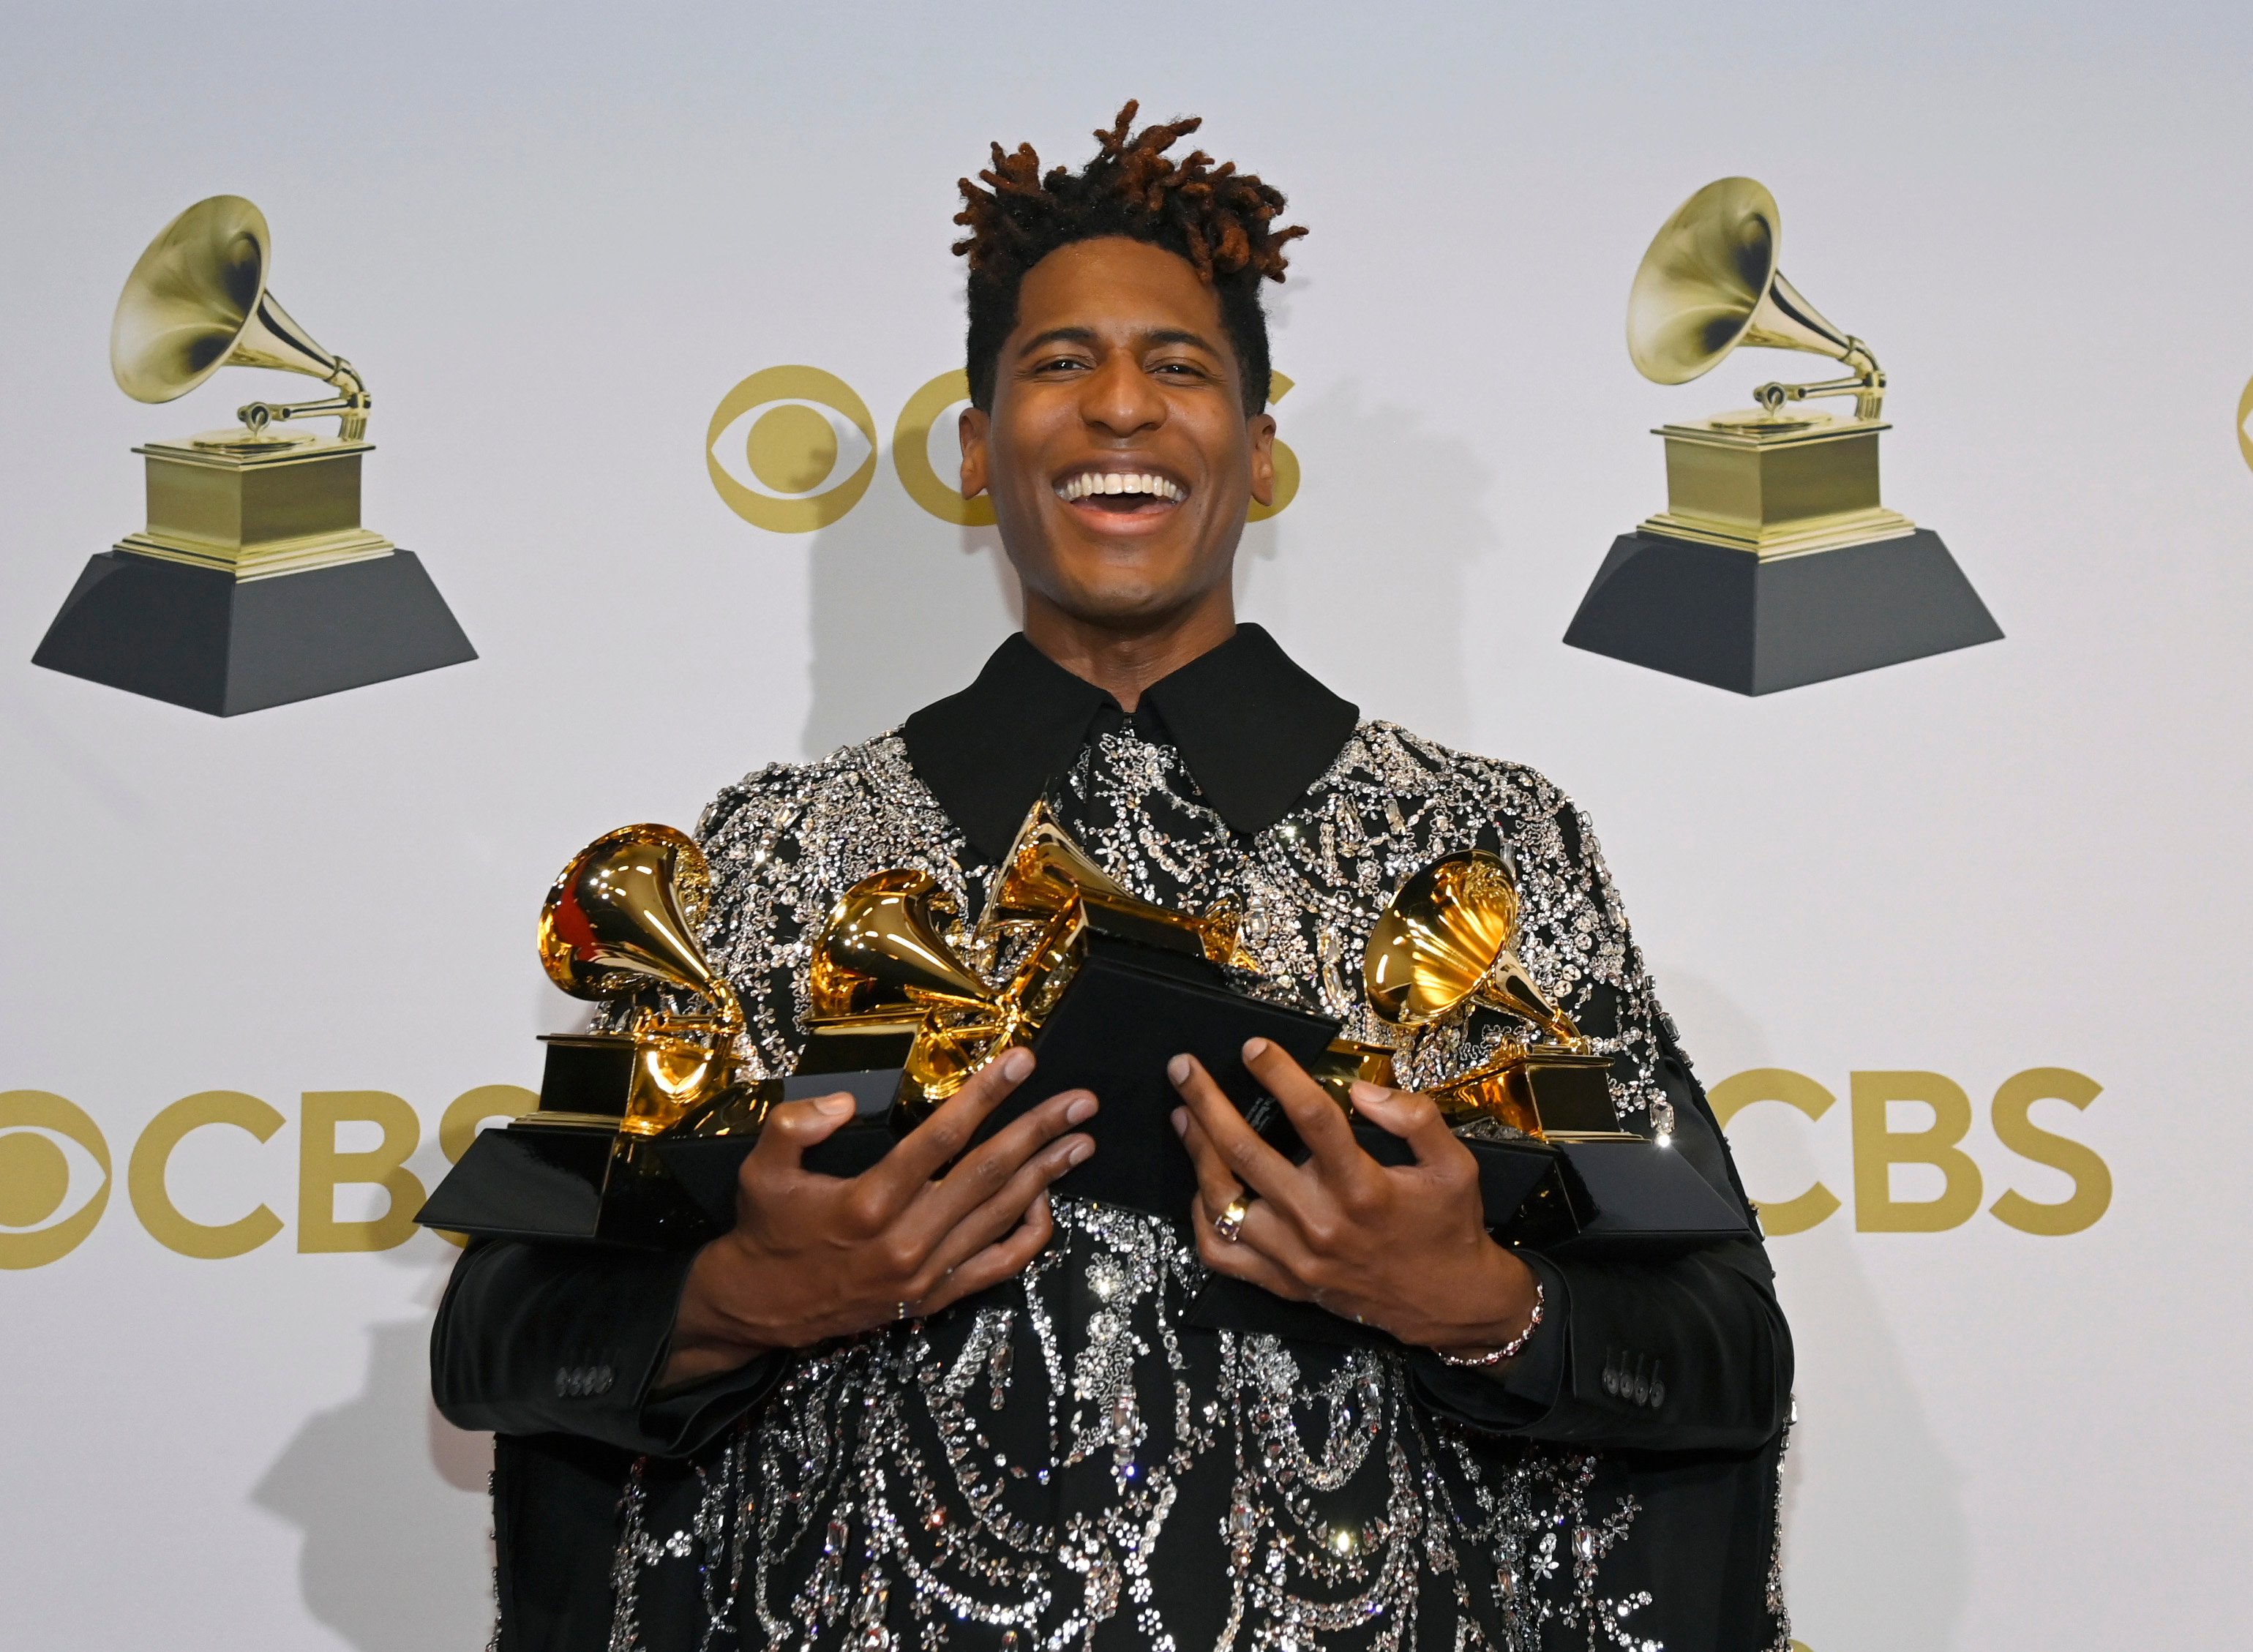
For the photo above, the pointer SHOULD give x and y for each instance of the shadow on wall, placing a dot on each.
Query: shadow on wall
(1891, 1559)
(1365, 578)
(904, 609)
(398, 1556)
(1873, 1507)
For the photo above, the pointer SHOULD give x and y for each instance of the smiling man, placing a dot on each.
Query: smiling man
(931, 1407)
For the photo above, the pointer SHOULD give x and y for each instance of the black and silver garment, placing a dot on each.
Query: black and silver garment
(1065, 1462)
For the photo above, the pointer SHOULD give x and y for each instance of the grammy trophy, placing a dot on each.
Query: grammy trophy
(1774, 562)
(639, 1129)
(253, 582)
(1537, 1111)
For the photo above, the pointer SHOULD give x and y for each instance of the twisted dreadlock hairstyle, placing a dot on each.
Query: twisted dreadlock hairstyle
(1215, 217)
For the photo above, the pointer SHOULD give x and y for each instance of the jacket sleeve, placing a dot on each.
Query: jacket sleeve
(536, 1339)
(1683, 1351)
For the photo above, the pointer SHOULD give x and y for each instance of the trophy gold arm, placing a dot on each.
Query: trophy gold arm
(1046, 873)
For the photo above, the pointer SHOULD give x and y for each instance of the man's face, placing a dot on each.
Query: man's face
(1118, 375)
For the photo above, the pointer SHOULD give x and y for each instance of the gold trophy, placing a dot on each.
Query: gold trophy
(1446, 944)
(886, 982)
(1537, 1113)
(253, 582)
(1775, 563)
(884, 963)
(1104, 986)
(638, 1132)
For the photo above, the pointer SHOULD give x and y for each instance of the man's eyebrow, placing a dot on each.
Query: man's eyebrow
(1088, 335)
(1181, 336)
(1059, 336)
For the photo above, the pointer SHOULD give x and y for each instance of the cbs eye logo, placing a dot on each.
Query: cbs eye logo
(792, 450)
(54, 1177)
(2244, 410)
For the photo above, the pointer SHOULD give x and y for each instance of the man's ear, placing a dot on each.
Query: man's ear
(971, 428)
(1261, 428)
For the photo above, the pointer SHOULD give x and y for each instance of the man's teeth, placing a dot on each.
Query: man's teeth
(1117, 481)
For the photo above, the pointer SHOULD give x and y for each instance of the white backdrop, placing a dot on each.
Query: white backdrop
(553, 239)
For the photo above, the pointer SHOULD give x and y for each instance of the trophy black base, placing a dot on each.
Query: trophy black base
(1630, 1191)
(563, 1184)
(1125, 1016)
(1754, 626)
(199, 637)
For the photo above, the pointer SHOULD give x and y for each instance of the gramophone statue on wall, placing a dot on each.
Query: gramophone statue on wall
(253, 582)
(1775, 563)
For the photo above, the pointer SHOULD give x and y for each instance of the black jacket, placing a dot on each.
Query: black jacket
(1657, 1389)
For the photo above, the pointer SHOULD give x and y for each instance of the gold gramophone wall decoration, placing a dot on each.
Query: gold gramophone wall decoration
(253, 581)
(1775, 561)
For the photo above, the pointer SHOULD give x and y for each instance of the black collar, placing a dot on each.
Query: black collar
(1254, 729)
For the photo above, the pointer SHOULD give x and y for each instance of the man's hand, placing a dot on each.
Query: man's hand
(812, 1257)
(1403, 1248)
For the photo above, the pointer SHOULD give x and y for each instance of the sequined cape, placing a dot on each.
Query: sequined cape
(1066, 1462)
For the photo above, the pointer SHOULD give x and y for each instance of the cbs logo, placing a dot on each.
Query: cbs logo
(54, 1178)
(1880, 1145)
(791, 449)
(56, 1171)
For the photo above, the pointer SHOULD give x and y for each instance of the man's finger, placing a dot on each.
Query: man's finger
(1322, 1124)
(1267, 1233)
(1411, 1117)
(1242, 1261)
(903, 1173)
(1251, 1160)
(999, 1214)
(1004, 1259)
(979, 1174)
(1215, 1185)
(789, 1130)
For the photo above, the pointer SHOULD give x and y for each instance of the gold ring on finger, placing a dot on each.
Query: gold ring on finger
(1230, 1223)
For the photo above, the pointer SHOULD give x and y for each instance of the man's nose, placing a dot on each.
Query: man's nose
(1119, 398)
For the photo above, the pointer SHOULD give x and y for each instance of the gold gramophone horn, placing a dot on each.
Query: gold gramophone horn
(880, 957)
(197, 302)
(880, 952)
(1445, 941)
(1709, 283)
(624, 913)
(1046, 875)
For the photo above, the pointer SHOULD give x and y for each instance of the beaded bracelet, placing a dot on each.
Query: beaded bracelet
(1509, 1350)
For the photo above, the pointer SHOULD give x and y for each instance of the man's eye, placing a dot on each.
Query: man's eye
(1060, 364)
